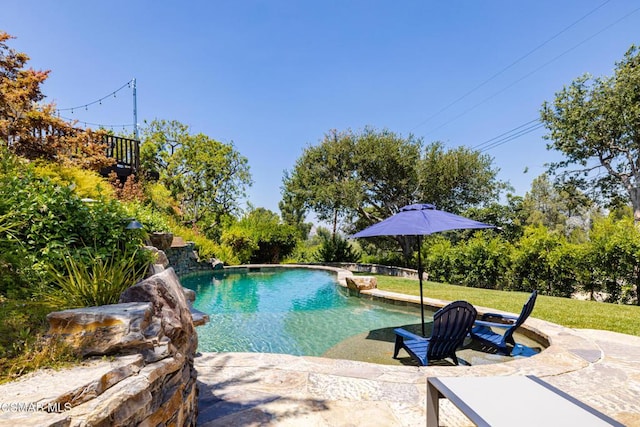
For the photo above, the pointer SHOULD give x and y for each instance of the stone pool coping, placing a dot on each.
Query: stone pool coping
(565, 350)
(598, 367)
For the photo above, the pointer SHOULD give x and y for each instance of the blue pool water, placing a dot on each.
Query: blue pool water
(292, 311)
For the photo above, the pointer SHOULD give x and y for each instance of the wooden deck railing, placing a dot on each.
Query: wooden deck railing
(126, 153)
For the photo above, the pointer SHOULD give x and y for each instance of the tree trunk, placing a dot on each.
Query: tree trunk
(407, 245)
(634, 195)
(335, 223)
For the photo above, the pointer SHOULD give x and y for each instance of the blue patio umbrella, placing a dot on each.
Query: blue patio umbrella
(420, 220)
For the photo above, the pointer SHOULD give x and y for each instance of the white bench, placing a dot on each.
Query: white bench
(511, 401)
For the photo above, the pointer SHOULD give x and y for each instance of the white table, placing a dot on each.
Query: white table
(511, 401)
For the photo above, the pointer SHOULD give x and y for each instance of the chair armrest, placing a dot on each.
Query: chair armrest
(492, 324)
(409, 335)
(502, 317)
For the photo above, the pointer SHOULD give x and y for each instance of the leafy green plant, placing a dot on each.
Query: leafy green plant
(152, 221)
(97, 282)
(85, 183)
(11, 259)
(261, 237)
(336, 249)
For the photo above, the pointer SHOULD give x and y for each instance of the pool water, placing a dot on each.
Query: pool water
(304, 312)
(292, 311)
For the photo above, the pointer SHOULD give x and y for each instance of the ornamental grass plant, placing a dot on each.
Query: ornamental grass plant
(93, 282)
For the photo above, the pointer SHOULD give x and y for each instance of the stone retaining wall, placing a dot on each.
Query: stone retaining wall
(184, 259)
(139, 370)
(379, 269)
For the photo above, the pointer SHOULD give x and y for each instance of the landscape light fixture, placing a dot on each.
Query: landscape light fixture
(133, 225)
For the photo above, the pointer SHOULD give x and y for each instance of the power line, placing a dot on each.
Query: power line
(476, 147)
(513, 136)
(535, 70)
(509, 66)
(97, 101)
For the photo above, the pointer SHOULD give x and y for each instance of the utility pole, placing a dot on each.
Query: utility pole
(135, 111)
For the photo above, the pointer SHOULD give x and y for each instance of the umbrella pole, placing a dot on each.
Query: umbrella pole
(420, 280)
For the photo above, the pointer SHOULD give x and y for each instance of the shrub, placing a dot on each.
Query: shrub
(260, 237)
(84, 183)
(49, 220)
(151, 220)
(99, 281)
(336, 249)
(482, 262)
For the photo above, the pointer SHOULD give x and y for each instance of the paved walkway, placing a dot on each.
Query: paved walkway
(600, 368)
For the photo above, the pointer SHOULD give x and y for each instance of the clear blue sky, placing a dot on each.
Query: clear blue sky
(274, 76)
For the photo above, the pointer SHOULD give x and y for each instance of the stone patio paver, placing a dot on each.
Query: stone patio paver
(600, 368)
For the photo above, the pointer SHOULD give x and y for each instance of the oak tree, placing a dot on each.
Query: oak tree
(595, 124)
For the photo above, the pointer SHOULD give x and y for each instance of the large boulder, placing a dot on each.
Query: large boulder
(360, 283)
(107, 329)
(169, 304)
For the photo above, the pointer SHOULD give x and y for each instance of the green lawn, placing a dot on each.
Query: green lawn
(563, 311)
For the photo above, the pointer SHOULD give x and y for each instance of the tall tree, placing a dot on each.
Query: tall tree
(207, 177)
(595, 124)
(28, 126)
(160, 140)
(323, 177)
(561, 208)
(366, 177)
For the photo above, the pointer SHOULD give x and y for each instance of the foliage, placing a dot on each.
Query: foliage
(457, 178)
(129, 191)
(158, 197)
(94, 281)
(85, 183)
(160, 140)
(12, 256)
(205, 176)
(50, 218)
(561, 208)
(366, 177)
(482, 261)
(323, 179)
(595, 124)
(261, 237)
(207, 248)
(336, 249)
(538, 262)
(510, 217)
(151, 221)
(439, 257)
(614, 255)
(22, 345)
(23, 118)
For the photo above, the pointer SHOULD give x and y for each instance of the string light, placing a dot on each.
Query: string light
(97, 101)
(85, 124)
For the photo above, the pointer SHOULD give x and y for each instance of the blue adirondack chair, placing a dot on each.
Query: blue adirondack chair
(451, 324)
(504, 343)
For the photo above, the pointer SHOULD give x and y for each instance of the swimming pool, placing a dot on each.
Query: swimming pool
(301, 311)
(292, 311)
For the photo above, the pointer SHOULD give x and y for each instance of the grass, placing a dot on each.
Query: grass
(563, 311)
(23, 348)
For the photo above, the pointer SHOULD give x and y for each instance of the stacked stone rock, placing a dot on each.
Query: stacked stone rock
(184, 259)
(148, 379)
